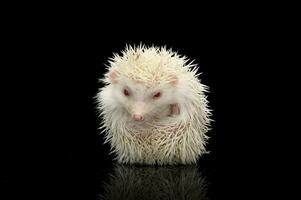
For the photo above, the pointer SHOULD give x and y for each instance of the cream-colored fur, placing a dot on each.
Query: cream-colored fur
(176, 124)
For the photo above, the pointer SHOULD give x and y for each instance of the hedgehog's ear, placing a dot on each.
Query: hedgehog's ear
(113, 76)
(173, 80)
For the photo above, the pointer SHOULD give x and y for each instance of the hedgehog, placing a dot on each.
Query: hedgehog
(154, 108)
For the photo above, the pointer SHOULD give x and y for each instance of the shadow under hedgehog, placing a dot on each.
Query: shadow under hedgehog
(154, 107)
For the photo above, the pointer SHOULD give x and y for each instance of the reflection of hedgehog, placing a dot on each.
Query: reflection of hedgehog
(131, 182)
(154, 108)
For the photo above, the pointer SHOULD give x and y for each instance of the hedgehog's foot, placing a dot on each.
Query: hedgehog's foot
(174, 109)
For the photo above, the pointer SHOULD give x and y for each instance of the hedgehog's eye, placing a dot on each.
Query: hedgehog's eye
(157, 95)
(126, 92)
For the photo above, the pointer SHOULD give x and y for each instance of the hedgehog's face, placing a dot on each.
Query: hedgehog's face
(144, 103)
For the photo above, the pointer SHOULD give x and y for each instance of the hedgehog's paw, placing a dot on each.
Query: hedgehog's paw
(174, 109)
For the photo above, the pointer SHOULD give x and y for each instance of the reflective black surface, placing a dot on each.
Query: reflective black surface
(149, 183)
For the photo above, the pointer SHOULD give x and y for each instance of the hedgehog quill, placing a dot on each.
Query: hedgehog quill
(154, 108)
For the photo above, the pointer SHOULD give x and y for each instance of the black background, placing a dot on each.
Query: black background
(53, 147)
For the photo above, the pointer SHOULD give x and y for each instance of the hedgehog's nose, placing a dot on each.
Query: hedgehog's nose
(138, 117)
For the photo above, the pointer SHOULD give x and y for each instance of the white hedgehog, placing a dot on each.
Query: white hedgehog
(153, 107)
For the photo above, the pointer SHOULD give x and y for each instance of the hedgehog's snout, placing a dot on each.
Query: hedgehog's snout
(139, 111)
(138, 117)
